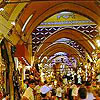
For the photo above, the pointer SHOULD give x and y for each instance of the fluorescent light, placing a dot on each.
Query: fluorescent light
(98, 43)
(13, 23)
(24, 26)
(1, 9)
(91, 44)
(85, 66)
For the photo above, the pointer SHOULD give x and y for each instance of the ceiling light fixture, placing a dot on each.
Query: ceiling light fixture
(98, 40)
(1, 9)
(13, 23)
(22, 1)
(24, 26)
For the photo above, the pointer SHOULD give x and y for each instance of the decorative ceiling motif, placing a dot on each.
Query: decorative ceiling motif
(60, 21)
(42, 33)
(66, 19)
(62, 57)
(18, 11)
(73, 44)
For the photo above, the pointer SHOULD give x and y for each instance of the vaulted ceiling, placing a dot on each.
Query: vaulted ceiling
(20, 18)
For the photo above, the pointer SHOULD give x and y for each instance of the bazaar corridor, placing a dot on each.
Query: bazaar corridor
(49, 50)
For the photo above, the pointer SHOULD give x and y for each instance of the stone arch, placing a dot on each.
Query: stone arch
(62, 7)
(50, 9)
(61, 47)
(66, 33)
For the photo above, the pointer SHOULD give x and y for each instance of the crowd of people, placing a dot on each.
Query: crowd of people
(37, 90)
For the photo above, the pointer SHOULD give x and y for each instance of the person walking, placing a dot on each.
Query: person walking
(29, 94)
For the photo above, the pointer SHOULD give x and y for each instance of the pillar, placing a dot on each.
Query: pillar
(23, 75)
(29, 45)
(11, 69)
(0, 68)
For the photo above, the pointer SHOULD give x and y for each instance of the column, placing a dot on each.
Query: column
(23, 75)
(30, 49)
(11, 69)
(0, 67)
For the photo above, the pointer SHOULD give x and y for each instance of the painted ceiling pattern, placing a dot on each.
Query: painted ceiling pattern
(42, 33)
(60, 21)
(66, 18)
(73, 44)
